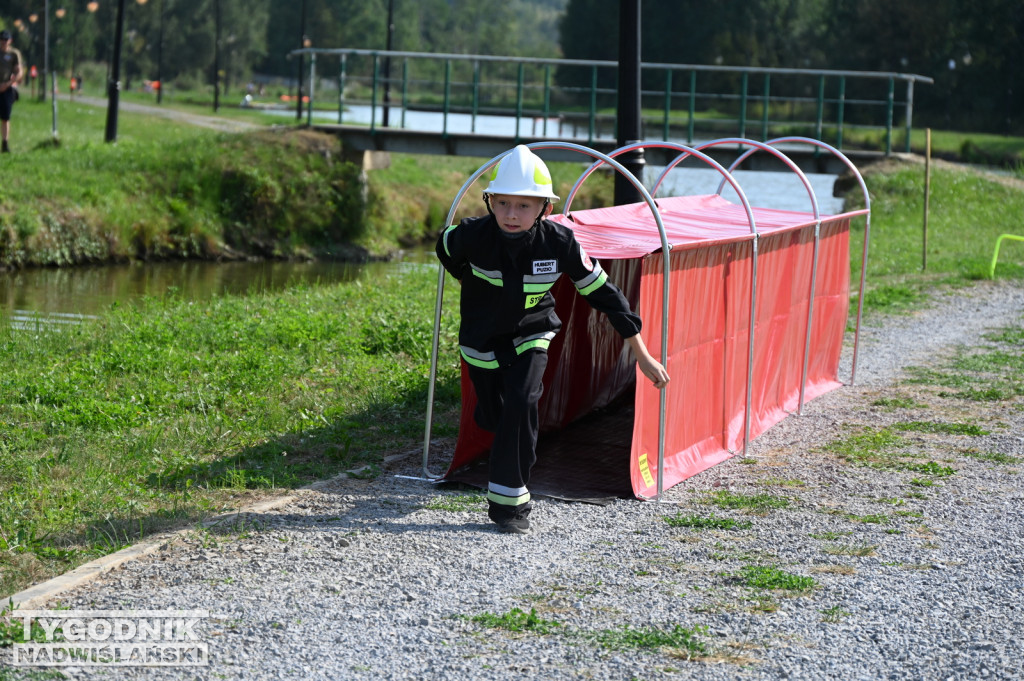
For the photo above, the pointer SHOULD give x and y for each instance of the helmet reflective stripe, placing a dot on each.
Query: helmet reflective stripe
(507, 496)
(592, 281)
(490, 276)
(521, 173)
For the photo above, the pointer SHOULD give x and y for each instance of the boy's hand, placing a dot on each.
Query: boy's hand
(649, 367)
(653, 370)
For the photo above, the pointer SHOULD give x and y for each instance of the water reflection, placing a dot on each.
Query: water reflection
(60, 293)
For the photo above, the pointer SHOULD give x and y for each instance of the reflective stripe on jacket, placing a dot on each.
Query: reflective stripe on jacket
(506, 302)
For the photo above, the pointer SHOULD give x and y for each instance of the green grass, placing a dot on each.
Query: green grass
(166, 190)
(883, 449)
(869, 519)
(830, 536)
(710, 522)
(990, 372)
(679, 639)
(159, 414)
(457, 503)
(956, 254)
(753, 502)
(892, 403)
(941, 428)
(518, 621)
(857, 550)
(834, 614)
(771, 578)
(991, 457)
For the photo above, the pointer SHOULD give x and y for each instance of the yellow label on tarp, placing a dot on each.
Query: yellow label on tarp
(645, 470)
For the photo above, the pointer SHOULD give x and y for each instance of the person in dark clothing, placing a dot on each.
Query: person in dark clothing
(11, 72)
(507, 262)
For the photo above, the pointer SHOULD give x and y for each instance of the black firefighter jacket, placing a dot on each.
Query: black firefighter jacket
(506, 304)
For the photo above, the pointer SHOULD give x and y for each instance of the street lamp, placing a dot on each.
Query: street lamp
(302, 43)
(216, 56)
(114, 85)
(32, 19)
(160, 56)
(59, 13)
(91, 8)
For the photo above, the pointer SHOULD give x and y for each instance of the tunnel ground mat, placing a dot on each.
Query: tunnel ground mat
(587, 461)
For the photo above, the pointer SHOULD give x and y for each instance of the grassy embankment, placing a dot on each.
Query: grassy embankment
(162, 413)
(168, 190)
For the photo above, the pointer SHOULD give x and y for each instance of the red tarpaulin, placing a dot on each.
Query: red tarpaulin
(711, 263)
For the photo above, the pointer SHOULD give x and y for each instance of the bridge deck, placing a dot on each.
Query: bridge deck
(475, 145)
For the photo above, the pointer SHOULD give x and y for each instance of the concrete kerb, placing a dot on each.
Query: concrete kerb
(37, 595)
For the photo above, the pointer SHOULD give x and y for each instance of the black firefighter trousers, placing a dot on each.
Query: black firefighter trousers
(507, 400)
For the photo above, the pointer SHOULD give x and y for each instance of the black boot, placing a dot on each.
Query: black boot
(510, 519)
(5, 149)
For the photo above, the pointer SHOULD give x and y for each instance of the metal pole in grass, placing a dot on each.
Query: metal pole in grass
(927, 195)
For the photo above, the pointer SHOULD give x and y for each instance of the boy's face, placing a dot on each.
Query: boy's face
(517, 213)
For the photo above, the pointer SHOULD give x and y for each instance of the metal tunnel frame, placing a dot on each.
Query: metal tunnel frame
(753, 296)
(867, 230)
(727, 176)
(666, 247)
(755, 236)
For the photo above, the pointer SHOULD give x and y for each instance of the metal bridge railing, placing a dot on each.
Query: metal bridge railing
(681, 101)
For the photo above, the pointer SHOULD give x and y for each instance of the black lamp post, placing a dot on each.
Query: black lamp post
(216, 56)
(302, 43)
(160, 56)
(629, 122)
(46, 48)
(387, 61)
(114, 84)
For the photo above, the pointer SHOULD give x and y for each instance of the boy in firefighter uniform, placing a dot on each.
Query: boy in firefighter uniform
(507, 262)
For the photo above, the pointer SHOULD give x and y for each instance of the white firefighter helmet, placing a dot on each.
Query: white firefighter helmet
(521, 173)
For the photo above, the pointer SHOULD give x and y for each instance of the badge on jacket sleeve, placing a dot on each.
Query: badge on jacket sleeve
(587, 262)
(545, 266)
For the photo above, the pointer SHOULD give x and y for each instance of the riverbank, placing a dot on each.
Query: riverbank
(180, 185)
(176, 185)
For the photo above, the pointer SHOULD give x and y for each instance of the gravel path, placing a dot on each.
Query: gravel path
(212, 122)
(376, 580)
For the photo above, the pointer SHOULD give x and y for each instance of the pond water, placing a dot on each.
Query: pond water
(60, 296)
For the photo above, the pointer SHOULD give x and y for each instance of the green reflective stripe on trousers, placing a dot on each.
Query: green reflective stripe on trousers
(596, 284)
(508, 501)
(482, 362)
(537, 343)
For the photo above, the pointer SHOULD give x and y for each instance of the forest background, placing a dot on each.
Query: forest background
(969, 47)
